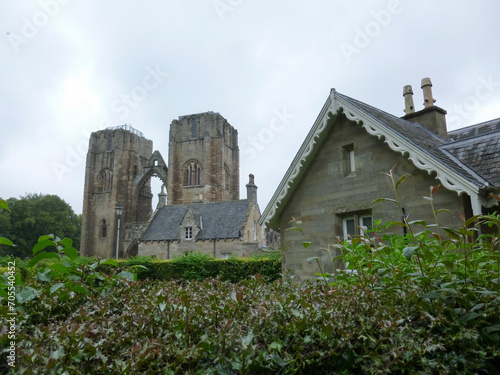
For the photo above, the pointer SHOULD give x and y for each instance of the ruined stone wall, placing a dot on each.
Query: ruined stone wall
(209, 142)
(114, 158)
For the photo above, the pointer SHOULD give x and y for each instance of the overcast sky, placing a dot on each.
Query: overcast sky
(68, 68)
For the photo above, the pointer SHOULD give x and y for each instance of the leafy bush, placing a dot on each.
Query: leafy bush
(217, 327)
(198, 267)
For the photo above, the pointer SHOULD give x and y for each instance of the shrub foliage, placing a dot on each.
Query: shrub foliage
(424, 303)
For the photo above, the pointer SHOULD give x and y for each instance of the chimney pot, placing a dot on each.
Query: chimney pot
(251, 189)
(408, 95)
(162, 197)
(427, 90)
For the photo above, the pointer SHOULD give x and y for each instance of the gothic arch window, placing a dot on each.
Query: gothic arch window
(105, 180)
(103, 228)
(194, 128)
(192, 173)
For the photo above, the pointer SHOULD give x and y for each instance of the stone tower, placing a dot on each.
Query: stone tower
(119, 166)
(203, 160)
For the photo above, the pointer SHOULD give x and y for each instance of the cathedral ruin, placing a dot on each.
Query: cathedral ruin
(200, 210)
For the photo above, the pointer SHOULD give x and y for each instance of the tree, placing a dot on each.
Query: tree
(35, 215)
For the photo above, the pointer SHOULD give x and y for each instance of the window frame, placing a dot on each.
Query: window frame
(349, 158)
(188, 233)
(357, 218)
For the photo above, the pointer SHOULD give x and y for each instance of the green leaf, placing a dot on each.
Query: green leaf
(140, 266)
(276, 346)
(42, 245)
(126, 275)
(401, 179)
(44, 276)
(111, 262)
(40, 256)
(66, 242)
(385, 200)
(4, 205)
(477, 307)
(80, 289)
(27, 294)
(306, 244)
(453, 233)
(45, 237)
(6, 241)
(443, 210)
(409, 251)
(432, 295)
(417, 222)
(490, 329)
(468, 316)
(71, 252)
(60, 268)
(311, 259)
(55, 287)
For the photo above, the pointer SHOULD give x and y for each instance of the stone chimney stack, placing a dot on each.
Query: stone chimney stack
(251, 189)
(431, 116)
(408, 95)
(162, 197)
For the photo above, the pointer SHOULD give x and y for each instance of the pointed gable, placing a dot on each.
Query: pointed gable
(427, 151)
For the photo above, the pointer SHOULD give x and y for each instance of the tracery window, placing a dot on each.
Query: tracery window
(105, 180)
(192, 174)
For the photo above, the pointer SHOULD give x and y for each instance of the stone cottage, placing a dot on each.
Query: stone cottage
(336, 174)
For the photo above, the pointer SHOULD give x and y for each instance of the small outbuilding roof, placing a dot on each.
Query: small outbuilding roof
(216, 220)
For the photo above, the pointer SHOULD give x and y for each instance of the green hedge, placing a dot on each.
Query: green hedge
(195, 266)
(192, 268)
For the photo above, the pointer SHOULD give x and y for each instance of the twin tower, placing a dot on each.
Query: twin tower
(203, 166)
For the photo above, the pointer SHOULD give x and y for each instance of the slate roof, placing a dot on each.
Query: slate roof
(472, 152)
(478, 147)
(466, 160)
(218, 220)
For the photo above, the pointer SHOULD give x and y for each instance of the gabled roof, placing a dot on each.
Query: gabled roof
(446, 157)
(216, 220)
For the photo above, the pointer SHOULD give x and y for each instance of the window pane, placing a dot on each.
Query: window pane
(349, 227)
(366, 222)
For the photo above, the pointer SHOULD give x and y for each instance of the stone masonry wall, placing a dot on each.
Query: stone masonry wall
(328, 191)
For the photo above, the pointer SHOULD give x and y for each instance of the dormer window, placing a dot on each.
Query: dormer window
(188, 233)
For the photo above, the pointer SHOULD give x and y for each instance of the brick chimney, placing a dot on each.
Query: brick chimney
(251, 190)
(432, 116)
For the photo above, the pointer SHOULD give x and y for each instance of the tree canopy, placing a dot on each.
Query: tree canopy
(35, 215)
